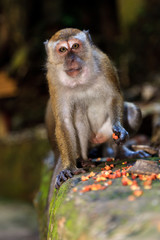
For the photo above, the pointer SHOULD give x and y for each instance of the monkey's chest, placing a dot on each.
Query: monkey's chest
(97, 115)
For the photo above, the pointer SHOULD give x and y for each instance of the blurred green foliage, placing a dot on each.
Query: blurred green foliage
(20, 168)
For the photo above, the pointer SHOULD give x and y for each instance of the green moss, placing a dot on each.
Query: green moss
(41, 202)
(56, 202)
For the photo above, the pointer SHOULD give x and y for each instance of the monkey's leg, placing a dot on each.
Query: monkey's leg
(82, 127)
(83, 132)
(132, 119)
(60, 175)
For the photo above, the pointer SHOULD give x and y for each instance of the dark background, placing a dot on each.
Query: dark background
(129, 32)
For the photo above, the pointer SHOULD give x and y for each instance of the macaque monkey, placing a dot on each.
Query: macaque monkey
(86, 105)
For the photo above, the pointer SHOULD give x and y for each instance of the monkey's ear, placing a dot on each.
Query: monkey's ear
(88, 36)
(46, 46)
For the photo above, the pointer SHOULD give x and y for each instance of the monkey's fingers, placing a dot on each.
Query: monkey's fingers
(62, 177)
(123, 136)
(141, 154)
(121, 133)
(127, 153)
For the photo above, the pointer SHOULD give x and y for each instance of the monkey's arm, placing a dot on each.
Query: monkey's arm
(65, 135)
(116, 103)
(66, 141)
(116, 115)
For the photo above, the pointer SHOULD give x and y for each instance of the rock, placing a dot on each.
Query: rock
(145, 167)
(146, 148)
(112, 213)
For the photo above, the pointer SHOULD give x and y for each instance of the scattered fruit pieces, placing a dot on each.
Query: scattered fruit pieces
(124, 162)
(100, 178)
(84, 178)
(110, 159)
(93, 187)
(107, 167)
(114, 136)
(138, 193)
(74, 189)
(92, 174)
(109, 182)
(131, 198)
(131, 180)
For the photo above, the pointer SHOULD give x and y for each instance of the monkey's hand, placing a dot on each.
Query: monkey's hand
(65, 174)
(121, 133)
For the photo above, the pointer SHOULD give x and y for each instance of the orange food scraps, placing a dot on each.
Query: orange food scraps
(98, 159)
(114, 136)
(93, 187)
(134, 182)
(92, 174)
(84, 178)
(138, 193)
(134, 187)
(108, 173)
(126, 181)
(100, 178)
(110, 159)
(158, 176)
(123, 173)
(153, 176)
(147, 187)
(109, 182)
(74, 189)
(107, 167)
(113, 176)
(133, 176)
(148, 182)
(131, 198)
(105, 174)
(142, 177)
(118, 174)
(124, 162)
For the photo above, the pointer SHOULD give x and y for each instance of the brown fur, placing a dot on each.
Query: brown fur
(75, 102)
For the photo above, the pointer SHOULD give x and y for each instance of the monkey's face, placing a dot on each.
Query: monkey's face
(68, 51)
(71, 53)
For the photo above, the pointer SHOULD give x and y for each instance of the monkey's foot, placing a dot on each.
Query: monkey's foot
(65, 174)
(125, 152)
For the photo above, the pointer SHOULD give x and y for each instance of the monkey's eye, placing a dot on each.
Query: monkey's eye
(75, 46)
(63, 49)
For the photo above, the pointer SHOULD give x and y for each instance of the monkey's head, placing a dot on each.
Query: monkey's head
(69, 52)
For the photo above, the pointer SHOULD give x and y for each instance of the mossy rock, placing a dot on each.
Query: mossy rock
(104, 214)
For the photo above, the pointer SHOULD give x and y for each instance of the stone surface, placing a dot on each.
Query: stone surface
(18, 221)
(103, 214)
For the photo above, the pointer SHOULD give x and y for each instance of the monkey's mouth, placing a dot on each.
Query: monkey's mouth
(73, 72)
